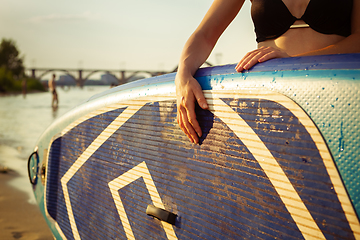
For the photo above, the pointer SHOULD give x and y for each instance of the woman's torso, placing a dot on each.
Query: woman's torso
(300, 40)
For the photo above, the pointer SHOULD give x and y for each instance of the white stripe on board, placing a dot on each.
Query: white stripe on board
(106, 133)
(130, 176)
(124, 104)
(272, 169)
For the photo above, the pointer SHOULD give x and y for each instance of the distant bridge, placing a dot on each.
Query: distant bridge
(81, 75)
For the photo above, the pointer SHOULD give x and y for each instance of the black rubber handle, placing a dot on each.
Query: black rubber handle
(34, 169)
(161, 214)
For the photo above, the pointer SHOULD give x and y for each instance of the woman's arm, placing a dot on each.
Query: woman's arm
(195, 52)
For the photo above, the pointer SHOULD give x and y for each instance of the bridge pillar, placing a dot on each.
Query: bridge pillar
(33, 73)
(80, 81)
(122, 79)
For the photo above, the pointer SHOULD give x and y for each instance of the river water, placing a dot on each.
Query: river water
(22, 121)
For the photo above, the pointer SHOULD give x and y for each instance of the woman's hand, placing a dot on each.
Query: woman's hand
(188, 90)
(195, 52)
(261, 54)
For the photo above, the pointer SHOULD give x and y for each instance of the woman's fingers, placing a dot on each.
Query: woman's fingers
(189, 118)
(259, 55)
(273, 54)
(186, 126)
(240, 66)
(251, 58)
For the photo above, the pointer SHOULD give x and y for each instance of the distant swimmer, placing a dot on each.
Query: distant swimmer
(52, 88)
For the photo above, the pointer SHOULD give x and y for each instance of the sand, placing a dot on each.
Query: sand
(19, 219)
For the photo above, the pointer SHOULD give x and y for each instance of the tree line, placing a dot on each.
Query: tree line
(12, 71)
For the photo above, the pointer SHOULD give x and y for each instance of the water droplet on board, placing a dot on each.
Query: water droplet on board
(337, 99)
(332, 106)
(323, 88)
(294, 94)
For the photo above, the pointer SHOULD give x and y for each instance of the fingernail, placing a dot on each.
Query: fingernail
(204, 105)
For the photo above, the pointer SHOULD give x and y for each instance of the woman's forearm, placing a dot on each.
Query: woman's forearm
(195, 52)
(200, 44)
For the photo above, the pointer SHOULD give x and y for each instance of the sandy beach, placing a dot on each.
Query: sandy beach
(19, 219)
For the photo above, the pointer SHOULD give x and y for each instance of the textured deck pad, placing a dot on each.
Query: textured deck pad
(262, 170)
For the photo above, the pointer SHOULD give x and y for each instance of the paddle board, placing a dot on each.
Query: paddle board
(278, 159)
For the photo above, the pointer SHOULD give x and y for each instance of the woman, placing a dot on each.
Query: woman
(284, 28)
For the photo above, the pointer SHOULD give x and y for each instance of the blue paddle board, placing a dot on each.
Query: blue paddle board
(278, 159)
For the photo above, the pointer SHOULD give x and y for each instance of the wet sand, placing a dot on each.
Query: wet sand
(19, 219)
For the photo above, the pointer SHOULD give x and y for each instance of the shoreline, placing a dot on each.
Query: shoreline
(7, 94)
(19, 219)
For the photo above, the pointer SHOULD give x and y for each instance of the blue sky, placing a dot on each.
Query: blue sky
(107, 34)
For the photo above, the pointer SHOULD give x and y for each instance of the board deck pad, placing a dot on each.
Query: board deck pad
(222, 188)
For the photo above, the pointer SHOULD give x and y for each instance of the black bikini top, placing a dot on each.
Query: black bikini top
(272, 18)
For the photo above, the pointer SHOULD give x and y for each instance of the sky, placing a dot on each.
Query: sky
(115, 34)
